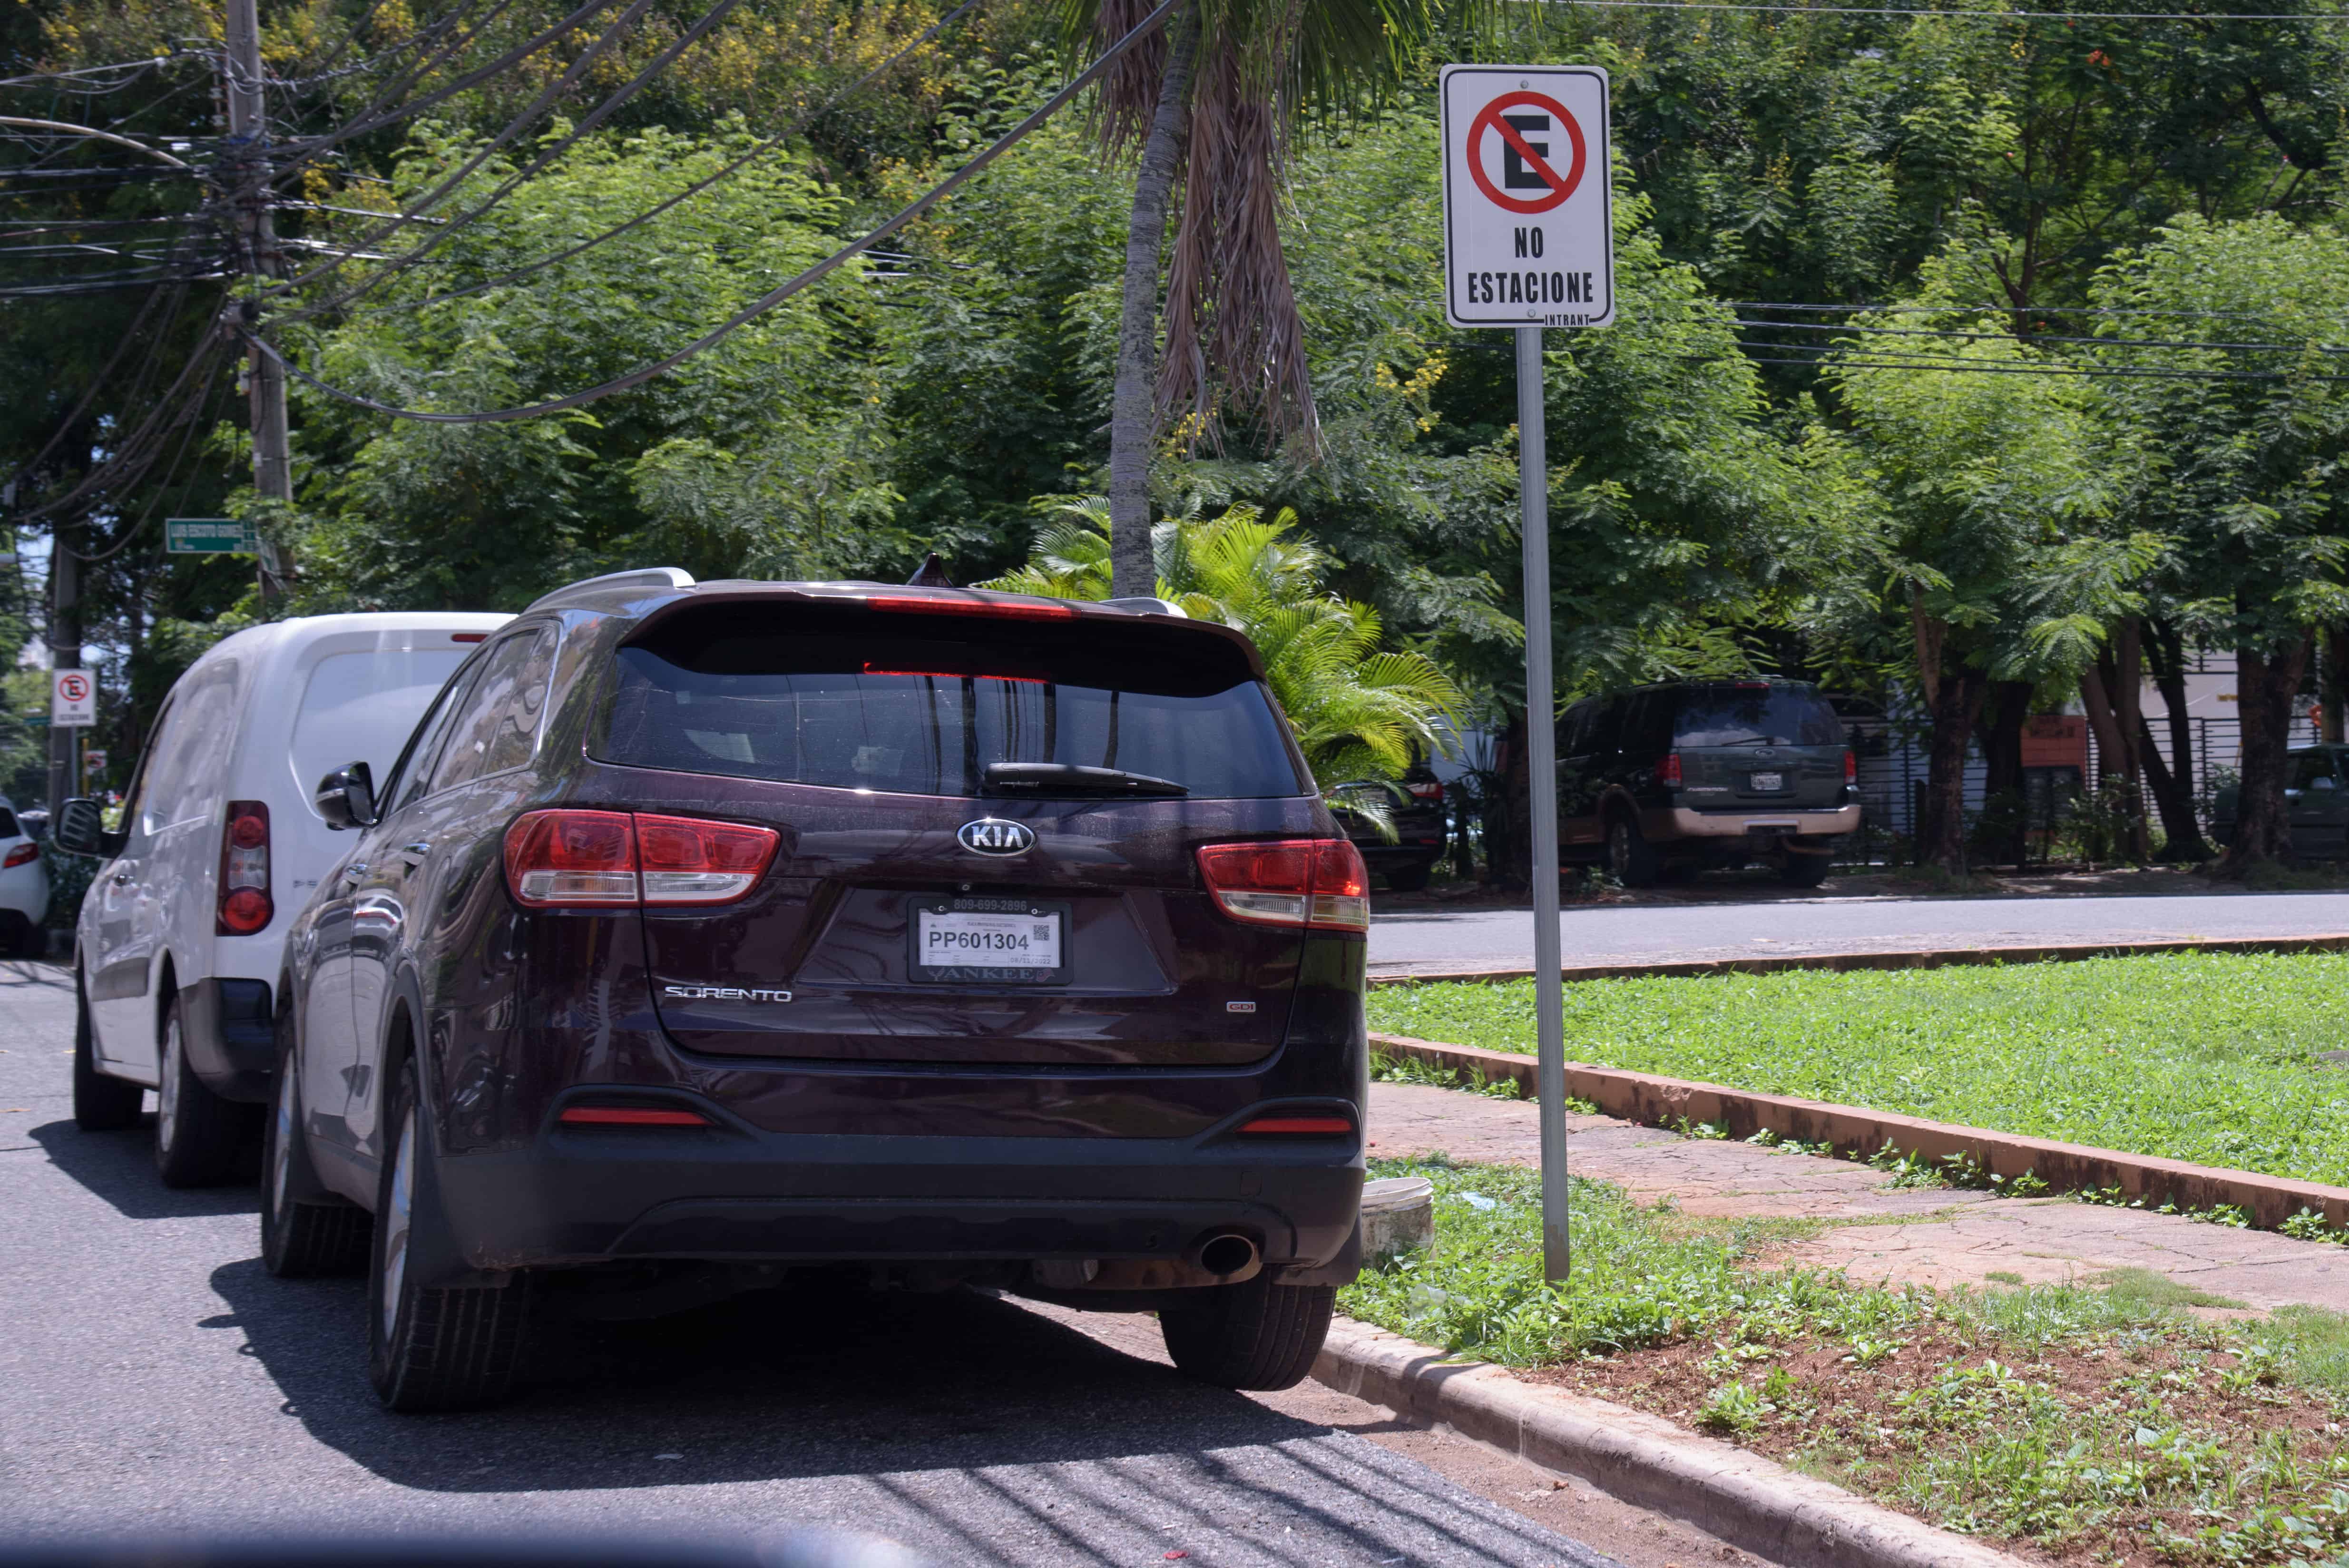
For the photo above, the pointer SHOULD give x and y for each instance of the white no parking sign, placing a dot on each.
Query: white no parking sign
(1530, 242)
(1528, 221)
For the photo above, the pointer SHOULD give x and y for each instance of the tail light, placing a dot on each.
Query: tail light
(1428, 790)
(631, 1116)
(245, 903)
(690, 860)
(1851, 767)
(24, 854)
(1296, 1127)
(619, 859)
(1317, 882)
(1002, 609)
(1668, 769)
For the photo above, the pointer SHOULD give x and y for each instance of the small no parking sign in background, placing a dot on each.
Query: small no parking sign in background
(1528, 220)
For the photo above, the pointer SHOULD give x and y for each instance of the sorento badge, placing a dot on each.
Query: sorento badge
(993, 835)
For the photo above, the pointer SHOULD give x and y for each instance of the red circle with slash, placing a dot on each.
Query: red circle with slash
(74, 688)
(1489, 119)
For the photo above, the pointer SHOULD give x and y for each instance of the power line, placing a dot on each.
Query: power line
(595, 117)
(760, 150)
(2038, 337)
(2000, 310)
(1953, 15)
(1963, 367)
(768, 301)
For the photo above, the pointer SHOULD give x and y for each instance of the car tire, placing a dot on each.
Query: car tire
(1409, 879)
(431, 1348)
(1629, 856)
(198, 1135)
(1255, 1335)
(305, 1233)
(1804, 870)
(100, 1104)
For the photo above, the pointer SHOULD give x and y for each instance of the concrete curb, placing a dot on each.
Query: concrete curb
(1644, 1459)
(1656, 1101)
(1929, 958)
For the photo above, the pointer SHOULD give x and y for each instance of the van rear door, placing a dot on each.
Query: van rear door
(987, 829)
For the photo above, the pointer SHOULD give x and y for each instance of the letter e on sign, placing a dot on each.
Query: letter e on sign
(1529, 213)
(73, 699)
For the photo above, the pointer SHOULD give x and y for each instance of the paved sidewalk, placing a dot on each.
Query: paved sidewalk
(1878, 1233)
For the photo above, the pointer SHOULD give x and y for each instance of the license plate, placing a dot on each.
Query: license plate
(1027, 943)
(1767, 781)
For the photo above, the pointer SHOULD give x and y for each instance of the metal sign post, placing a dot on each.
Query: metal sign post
(1530, 242)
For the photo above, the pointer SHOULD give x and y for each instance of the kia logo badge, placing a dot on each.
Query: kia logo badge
(993, 835)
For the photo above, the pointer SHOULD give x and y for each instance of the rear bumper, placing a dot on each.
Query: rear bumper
(1679, 822)
(589, 1195)
(230, 1036)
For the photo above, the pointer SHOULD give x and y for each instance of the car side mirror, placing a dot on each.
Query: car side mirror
(345, 797)
(80, 829)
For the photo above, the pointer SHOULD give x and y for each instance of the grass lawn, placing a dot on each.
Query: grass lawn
(2207, 1058)
(2106, 1423)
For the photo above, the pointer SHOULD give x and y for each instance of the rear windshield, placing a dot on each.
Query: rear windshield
(359, 707)
(855, 700)
(1754, 716)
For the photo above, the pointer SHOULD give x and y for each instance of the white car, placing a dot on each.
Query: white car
(180, 937)
(24, 888)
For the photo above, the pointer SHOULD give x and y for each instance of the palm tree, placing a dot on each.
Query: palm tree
(1358, 712)
(1212, 106)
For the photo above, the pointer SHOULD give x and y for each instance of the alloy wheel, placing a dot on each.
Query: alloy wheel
(281, 1163)
(167, 1091)
(395, 1221)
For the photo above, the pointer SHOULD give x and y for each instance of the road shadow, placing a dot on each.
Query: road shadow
(922, 1395)
(817, 1380)
(120, 1167)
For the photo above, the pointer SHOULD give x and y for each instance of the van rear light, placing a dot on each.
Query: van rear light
(245, 903)
(1426, 789)
(468, 637)
(923, 604)
(1317, 882)
(1850, 767)
(631, 1116)
(690, 860)
(1296, 1127)
(617, 859)
(1668, 769)
(25, 853)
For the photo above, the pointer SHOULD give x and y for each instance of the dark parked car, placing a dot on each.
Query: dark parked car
(1414, 809)
(708, 933)
(2317, 803)
(1705, 773)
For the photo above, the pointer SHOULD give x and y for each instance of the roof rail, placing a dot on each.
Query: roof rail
(652, 579)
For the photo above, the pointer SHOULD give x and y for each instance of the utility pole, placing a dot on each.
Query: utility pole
(65, 653)
(248, 130)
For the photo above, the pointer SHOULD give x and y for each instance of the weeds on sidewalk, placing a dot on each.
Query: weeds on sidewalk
(2108, 1422)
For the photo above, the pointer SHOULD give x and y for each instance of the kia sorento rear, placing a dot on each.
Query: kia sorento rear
(931, 937)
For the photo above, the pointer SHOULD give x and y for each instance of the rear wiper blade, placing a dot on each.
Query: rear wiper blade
(1069, 778)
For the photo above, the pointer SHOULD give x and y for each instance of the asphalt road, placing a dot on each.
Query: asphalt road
(155, 1378)
(1473, 939)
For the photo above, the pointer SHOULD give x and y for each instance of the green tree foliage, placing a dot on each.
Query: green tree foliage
(1359, 712)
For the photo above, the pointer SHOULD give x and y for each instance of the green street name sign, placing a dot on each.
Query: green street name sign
(209, 537)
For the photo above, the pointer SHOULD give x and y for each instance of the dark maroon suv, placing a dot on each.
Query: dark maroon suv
(708, 934)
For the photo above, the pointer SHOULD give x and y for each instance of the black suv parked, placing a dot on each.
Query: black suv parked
(1414, 809)
(1705, 773)
(704, 934)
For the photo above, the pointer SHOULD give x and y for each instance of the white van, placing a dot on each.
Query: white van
(220, 845)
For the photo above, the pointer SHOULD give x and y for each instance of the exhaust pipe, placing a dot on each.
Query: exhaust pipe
(1229, 1256)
